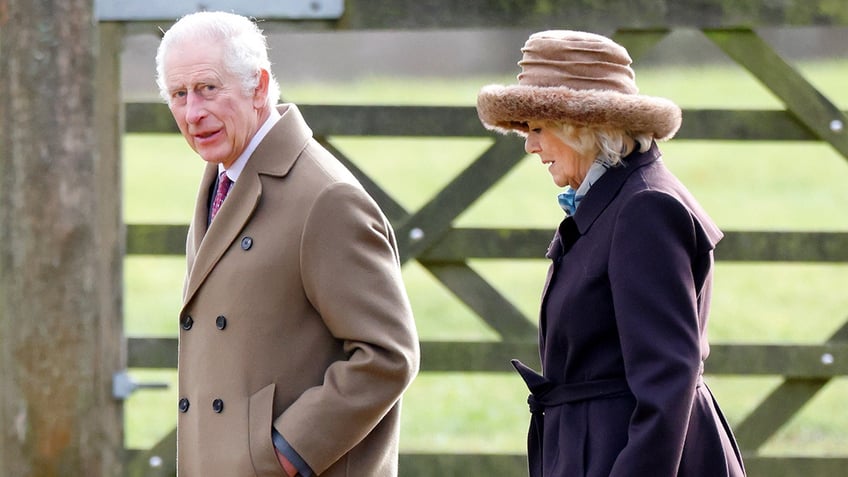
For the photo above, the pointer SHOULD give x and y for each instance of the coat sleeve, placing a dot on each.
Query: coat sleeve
(654, 293)
(351, 275)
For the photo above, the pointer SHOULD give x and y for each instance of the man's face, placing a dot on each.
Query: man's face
(214, 115)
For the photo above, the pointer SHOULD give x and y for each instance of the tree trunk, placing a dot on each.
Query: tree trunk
(60, 259)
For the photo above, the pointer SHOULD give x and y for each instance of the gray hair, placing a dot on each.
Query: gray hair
(245, 48)
(607, 145)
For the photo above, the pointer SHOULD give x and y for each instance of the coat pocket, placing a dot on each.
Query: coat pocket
(260, 418)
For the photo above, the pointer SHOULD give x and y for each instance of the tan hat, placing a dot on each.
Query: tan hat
(579, 78)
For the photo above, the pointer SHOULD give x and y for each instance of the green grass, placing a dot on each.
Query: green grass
(759, 186)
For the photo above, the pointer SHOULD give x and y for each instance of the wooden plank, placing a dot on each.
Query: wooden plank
(595, 15)
(495, 309)
(466, 465)
(786, 400)
(639, 42)
(412, 121)
(792, 360)
(342, 120)
(111, 242)
(463, 243)
(393, 210)
(420, 464)
(783, 246)
(462, 121)
(158, 461)
(794, 466)
(161, 353)
(149, 118)
(156, 239)
(157, 353)
(751, 125)
(755, 246)
(811, 107)
(773, 412)
(487, 357)
(428, 224)
(603, 16)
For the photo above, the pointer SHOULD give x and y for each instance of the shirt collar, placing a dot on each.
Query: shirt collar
(235, 169)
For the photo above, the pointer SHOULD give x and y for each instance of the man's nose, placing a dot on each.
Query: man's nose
(195, 107)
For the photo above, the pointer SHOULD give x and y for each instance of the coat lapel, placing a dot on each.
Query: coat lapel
(237, 209)
(275, 156)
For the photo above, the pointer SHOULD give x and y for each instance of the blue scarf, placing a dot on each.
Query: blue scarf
(570, 198)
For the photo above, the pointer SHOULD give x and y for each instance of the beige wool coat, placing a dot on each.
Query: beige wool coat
(294, 316)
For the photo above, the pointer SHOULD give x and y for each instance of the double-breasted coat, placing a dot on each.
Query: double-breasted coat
(626, 300)
(295, 316)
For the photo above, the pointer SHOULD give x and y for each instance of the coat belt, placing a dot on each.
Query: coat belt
(546, 394)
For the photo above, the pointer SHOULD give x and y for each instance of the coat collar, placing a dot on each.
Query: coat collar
(607, 187)
(274, 156)
(602, 193)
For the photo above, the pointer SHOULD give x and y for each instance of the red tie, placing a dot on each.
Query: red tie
(224, 184)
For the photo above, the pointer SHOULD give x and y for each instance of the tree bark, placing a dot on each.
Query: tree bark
(60, 280)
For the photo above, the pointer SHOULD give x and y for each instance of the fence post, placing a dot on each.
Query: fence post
(60, 262)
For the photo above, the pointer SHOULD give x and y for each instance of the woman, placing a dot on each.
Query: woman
(622, 330)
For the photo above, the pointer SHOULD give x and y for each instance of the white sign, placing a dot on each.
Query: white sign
(142, 10)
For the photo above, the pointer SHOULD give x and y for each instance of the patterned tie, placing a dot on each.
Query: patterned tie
(224, 184)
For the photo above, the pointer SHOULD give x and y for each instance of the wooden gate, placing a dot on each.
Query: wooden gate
(428, 236)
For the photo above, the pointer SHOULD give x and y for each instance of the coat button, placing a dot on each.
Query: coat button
(184, 405)
(218, 406)
(246, 243)
(221, 322)
(187, 321)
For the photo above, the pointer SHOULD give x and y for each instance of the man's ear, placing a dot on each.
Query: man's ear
(260, 94)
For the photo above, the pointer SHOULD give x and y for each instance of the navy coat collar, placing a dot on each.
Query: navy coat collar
(606, 188)
(596, 201)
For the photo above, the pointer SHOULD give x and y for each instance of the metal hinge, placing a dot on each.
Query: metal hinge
(123, 385)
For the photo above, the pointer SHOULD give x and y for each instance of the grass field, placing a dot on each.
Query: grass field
(758, 186)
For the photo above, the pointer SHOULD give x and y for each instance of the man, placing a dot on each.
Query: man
(296, 335)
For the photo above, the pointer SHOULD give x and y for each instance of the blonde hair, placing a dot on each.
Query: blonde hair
(604, 144)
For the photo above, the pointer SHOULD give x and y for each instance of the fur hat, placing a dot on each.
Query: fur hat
(578, 78)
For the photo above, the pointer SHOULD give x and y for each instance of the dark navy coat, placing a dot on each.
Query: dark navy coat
(627, 298)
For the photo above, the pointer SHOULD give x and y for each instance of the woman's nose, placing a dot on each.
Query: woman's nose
(531, 145)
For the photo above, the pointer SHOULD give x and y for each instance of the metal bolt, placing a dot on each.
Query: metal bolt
(315, 6)
(836, 126)
(416, 234)
(827, 359)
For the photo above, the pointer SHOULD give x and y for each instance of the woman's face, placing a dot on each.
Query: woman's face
(566, 165)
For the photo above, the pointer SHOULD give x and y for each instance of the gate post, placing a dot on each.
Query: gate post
(62, 242)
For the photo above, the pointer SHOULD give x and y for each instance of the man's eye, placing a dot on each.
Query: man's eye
(178, 94)
(208, 91)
